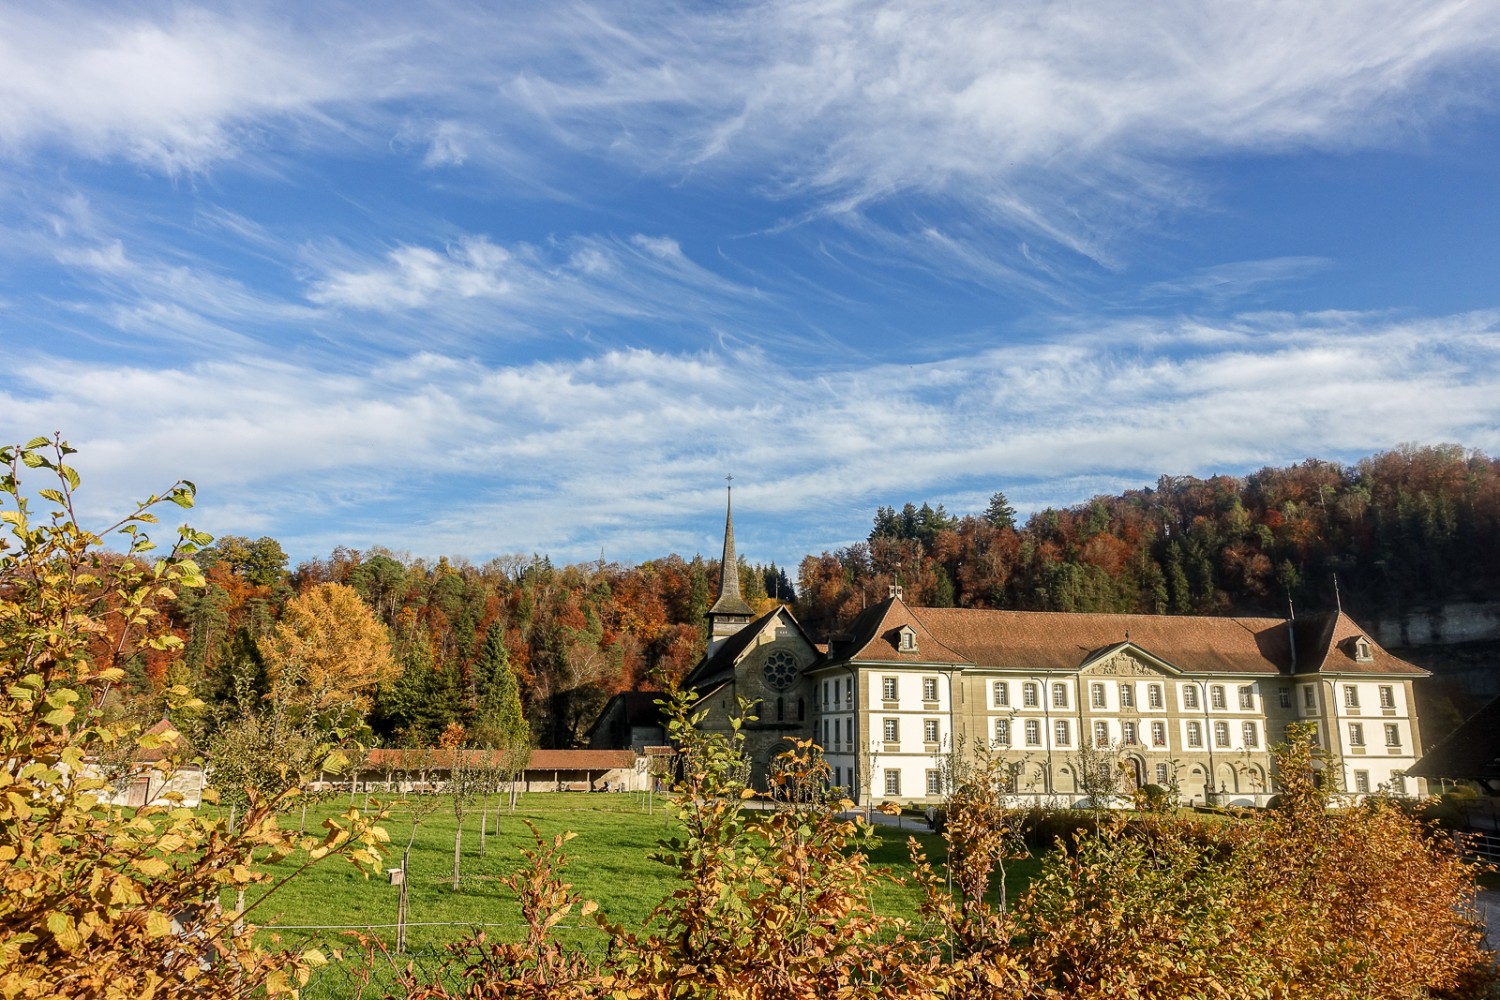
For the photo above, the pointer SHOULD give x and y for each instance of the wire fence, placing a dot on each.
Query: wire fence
(362, 965)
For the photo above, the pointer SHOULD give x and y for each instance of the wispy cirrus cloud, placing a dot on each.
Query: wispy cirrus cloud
(1021, 109)
(1064, 124)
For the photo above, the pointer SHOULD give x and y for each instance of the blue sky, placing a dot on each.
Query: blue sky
(467, 282)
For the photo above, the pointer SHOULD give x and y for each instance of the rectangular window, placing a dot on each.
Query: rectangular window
(1285, 694)
(1392, 735)
(1251, 734)
(1096, 695)
(1001, 694)
(1351, 696)
(1158, 734)
(1061, 733)
(825, 692)
(1195, 734)
(892, 782)
(934, 782)
(1221, 734)
(825, 732)
(1398, 784)
(1030, 695)
(1059, 696)
(1153, 696)
(1217, 696)
(929, 689)
(1127, 733)
(1247, 697)
(1361, 781)
(838, 777)
(836, 691)
(1387, 696)
(1309, 697)
(929, 730)
(889, 689)
(1189, 697)
(1002, 732)
(838, 736)
(1033, 733)
(1163, 776)
(892, 730)
(1127, 696)
(1101, 734)
(1356, 734)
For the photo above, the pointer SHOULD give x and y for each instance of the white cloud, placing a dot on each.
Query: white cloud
(436, 454)
(473, 283)
(1022, 107)
(1062, 122)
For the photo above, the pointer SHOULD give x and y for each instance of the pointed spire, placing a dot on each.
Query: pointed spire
(729, 602)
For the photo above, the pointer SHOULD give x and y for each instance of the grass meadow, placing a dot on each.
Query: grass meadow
(609, 863)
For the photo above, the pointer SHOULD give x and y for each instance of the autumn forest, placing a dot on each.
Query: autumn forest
(1403, 529)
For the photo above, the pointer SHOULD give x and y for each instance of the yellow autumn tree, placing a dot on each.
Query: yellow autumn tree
(97, 899)
(329, 652)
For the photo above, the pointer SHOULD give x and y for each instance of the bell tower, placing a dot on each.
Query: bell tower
(730, 613)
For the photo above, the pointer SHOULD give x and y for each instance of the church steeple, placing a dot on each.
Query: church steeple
(730, 613)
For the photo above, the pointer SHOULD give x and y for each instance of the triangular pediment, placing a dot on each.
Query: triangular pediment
(1126, 659)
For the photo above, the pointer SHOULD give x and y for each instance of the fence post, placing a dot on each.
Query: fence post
(401, 907)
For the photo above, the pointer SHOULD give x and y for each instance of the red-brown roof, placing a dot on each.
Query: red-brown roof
(1333, 651)
(877, 631)
(541, 760)
(150, 755)
(1043, 640)
(1061, 641)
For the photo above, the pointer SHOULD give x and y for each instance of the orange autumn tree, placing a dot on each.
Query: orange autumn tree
(329, 652)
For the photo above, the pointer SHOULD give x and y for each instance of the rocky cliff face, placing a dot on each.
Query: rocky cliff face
(1439, 625)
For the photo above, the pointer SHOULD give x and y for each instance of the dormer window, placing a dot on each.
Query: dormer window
(907, 639)
(1362, 651)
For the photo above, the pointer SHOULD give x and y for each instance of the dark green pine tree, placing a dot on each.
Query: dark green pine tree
(498, 719)
(1000, 513)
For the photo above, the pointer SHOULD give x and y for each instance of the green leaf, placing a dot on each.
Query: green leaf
(69, 474)
(35, 461)
(39, 442)
(50, 494)
(59, 717)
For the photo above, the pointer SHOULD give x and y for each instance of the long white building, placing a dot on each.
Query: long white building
(1193, 703)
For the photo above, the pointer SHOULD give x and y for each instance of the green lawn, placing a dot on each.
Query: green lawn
(609, 864)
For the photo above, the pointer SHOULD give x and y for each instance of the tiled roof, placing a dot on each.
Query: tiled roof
(541, 760)
(1470, 751)
(876, 637)
(151, 755)
(1050, 640)
(1326, 644)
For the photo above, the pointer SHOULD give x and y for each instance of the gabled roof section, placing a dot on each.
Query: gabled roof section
(1142, 656)
(1470, 751)
(1327, 643)
(1065, 641)
(876, 637)
(721, 662)
(151, 755)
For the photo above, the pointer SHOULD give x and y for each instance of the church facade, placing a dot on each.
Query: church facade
(1191, 703)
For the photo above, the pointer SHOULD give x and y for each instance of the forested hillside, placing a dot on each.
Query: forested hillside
(1410, 527)
(1414, 526)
